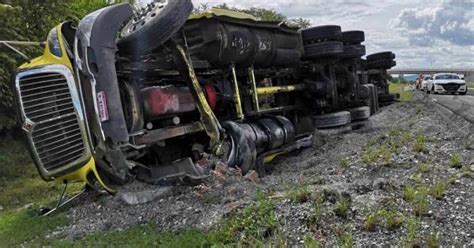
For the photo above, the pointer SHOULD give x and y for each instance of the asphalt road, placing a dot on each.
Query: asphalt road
(461, 105)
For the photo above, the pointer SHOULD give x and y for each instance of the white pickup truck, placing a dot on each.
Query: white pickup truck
(446, 83)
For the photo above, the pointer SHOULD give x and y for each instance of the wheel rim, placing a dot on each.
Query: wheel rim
(143, 17)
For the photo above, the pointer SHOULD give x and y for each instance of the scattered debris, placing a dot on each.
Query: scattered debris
(141, 197)
(252, 176)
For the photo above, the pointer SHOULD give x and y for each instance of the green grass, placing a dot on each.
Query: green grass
(418, 197)
(344, 236)
(432, 240)
(343, 163)
(455, 160)
(21, 185)
(423, 168)
(409, 193)
(254, 226)
(405, 95)
(438, 190)
(141, 236)
(470, 85)
(420, 143)
(370, 222)
(377, 154)
(410, 239)
(310, 242)
(342, 207)
(300, 194)
(421, 202)
(316, 211)
(17, 228)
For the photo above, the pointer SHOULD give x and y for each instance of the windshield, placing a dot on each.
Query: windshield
(447, 76)
(427, 78)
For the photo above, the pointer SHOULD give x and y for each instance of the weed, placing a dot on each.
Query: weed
(316, 211)
(420, 143)
(421, 203)
(371, 155)
(417, 178)
(409, 193)
(438, 190)
(300, 194)
(393, 219)
(455, 160)
(394, 132)
(310, 242)
(342, 207)
(406, 136)
(417, 197)
(343, 163)
(256, 222)
(411, 234)
(432, 240)
(423, 168)
(344, 237)
(452, 179)
(371, 222)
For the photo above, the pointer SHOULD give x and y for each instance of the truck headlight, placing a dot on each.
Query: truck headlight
(53, 43)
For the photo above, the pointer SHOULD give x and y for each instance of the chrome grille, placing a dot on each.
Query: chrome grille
(49, 101)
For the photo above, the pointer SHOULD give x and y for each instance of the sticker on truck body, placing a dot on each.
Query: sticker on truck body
(102, 106)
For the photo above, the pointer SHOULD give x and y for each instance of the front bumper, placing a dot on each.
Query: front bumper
(450, 88)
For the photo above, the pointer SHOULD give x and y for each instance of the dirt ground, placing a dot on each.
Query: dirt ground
(406, 177)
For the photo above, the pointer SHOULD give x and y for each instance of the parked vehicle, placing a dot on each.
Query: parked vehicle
(172, 91)
(449, 83)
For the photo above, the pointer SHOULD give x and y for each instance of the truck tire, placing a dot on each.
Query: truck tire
(336, 119)
(324, 49)
(244, 152)
(353, 51)
(381, 56)
(360, 113)
(144, 34)
(353, 37)
(321, 33)
(381, 64)
(387, 98)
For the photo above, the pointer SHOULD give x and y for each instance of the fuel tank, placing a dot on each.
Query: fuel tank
(162, 101)
(223, 40)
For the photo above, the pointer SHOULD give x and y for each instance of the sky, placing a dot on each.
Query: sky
(421, 33)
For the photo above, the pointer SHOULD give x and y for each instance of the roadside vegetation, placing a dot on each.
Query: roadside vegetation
(406, 95)
(22, 193)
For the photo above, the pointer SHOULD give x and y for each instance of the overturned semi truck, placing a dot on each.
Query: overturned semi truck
(150, 95)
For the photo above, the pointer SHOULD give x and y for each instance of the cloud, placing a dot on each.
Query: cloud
(449, 21)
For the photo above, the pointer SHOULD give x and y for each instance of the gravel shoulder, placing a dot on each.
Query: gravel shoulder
(404, 178)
